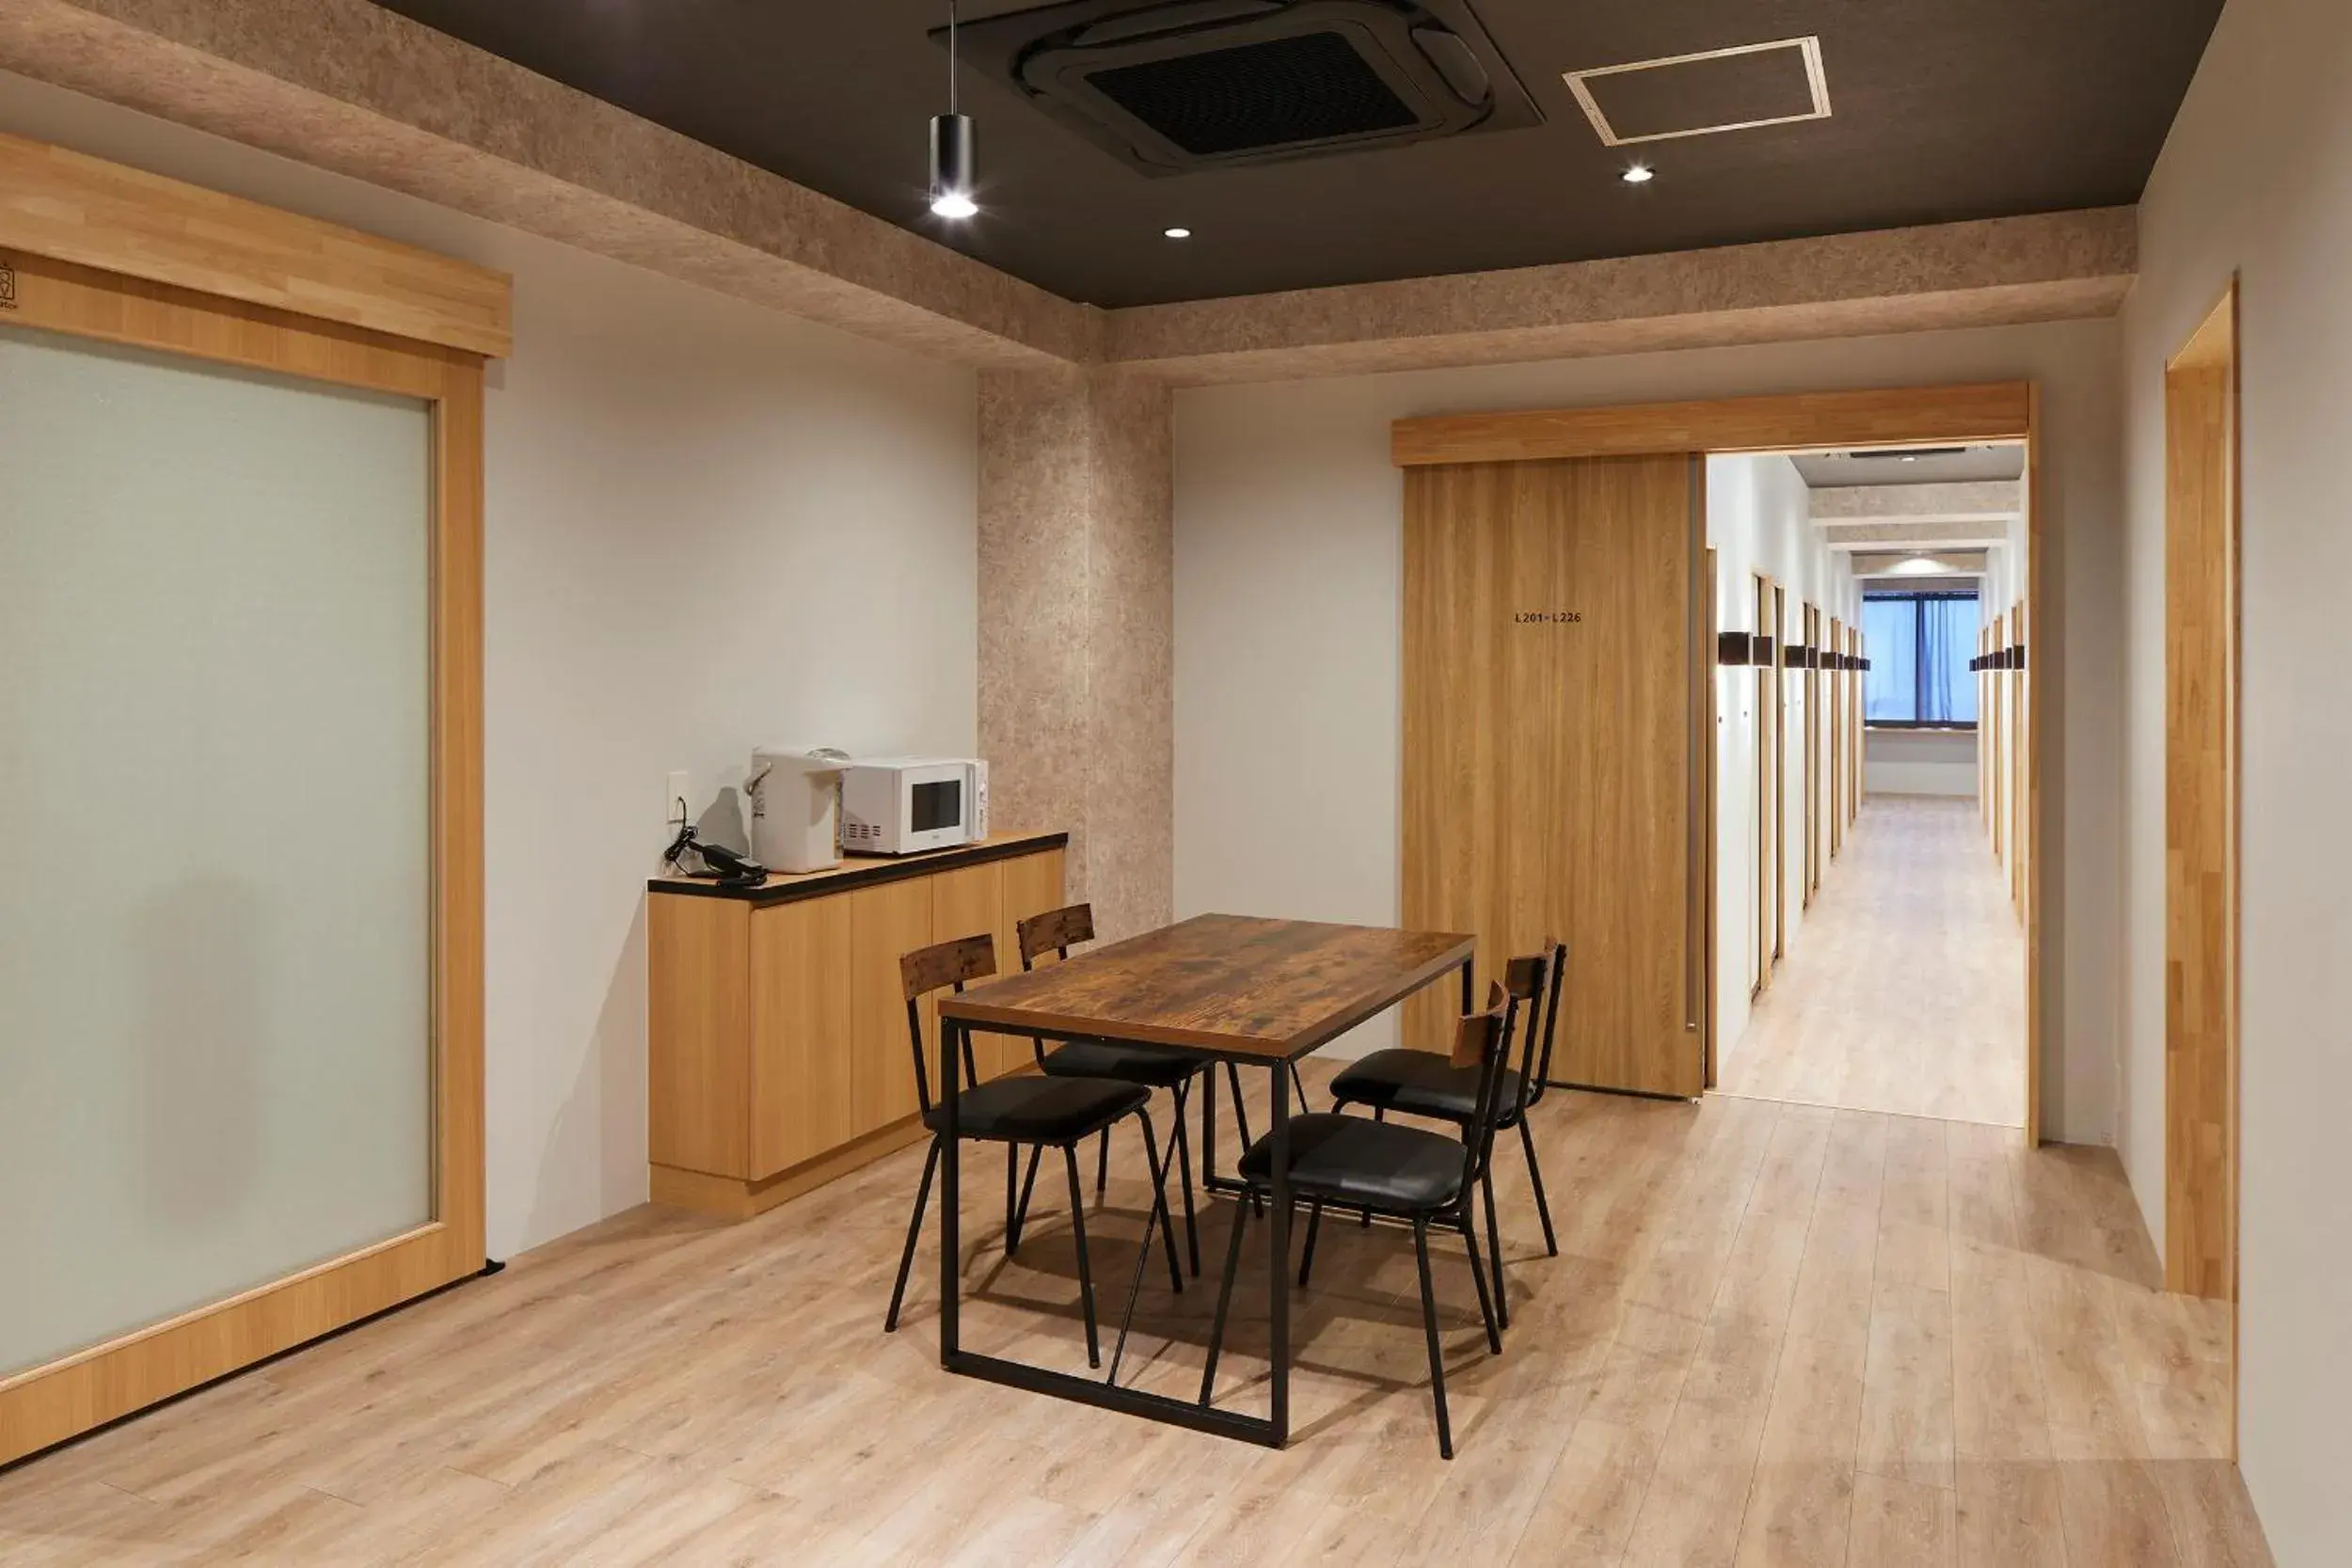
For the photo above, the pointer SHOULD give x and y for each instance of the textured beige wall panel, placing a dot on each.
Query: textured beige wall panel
(2000, 272)
(1076, 613)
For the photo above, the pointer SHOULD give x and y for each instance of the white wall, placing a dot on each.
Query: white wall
(1288, 519)
(1759, 518)
(1919, 762)
(708, 526)
(2257, 178)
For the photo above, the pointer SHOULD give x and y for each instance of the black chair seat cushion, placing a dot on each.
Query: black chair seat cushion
(1350, 1160)
(1421, 1084)
(1034, 1110)
(1129, 1063)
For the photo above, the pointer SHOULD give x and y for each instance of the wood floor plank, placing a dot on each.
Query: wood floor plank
(1720, 1368)
(1905, 988)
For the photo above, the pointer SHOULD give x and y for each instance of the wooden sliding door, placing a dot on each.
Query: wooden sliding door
(1553, 759)
(240, 610)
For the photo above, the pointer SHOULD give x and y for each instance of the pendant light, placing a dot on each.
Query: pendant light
(955, 147)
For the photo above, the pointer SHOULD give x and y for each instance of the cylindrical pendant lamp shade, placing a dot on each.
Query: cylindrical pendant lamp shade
(954, 163)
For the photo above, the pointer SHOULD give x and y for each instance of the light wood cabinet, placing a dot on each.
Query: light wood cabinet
(779, 1057)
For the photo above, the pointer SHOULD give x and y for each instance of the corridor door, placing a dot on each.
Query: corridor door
(1551, 775)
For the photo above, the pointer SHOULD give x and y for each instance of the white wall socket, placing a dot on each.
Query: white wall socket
(676, 794)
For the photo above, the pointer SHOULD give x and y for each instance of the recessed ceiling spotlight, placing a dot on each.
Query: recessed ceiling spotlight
(1638, 174)
(1911, 457)
(1179, 233)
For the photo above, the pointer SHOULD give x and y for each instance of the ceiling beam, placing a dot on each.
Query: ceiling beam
(1915, 536)
(349, 87)
(2002, 271)
(1973, 499)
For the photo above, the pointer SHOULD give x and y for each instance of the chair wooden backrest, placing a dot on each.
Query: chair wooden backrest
(1533, 982)
(935, 968)
(1055, 931)
(1484, 1039)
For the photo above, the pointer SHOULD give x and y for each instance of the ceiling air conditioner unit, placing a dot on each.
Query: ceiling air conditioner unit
(1173, 86)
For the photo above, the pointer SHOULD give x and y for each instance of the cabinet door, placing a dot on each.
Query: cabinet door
(885, 923)
(699, 1014)
(801, 1081)
(970, 903)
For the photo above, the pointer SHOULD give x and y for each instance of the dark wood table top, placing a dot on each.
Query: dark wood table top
(1221, 983)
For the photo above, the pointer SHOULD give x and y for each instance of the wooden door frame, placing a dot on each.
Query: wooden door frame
(99, 252)
(1766, 943)
(1803, 421)
(2203, 1045)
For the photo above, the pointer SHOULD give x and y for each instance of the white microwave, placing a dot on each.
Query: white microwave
(905, 805)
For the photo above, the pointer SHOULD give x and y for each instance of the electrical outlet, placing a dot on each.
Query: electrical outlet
(675, 796)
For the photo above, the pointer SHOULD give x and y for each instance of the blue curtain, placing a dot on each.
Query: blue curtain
(1890, 630)
(1947, 635)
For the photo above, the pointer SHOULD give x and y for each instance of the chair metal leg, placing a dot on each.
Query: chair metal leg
(1494, 1244)
(1078, 1230)
(1307, 1252)
(1535, 1178)
(1184, 1171)
(915, 1228)
(1224, 1300)
(1300, 1084)
(1021, 1210)
(1012, 1170)
(1478, 1277)
(1102, 1167)
(1429, 1326)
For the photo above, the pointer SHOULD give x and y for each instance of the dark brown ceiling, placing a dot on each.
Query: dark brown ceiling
(1943, 109)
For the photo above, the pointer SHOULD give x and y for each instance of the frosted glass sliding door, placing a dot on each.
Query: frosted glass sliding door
(216, 917)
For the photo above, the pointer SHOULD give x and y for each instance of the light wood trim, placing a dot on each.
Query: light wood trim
(43, 1405)
(74, 208)
(1707, 716)
(1766, 683)
(2037, 557)
(730, 1197)
(2202, 808)
(1998, 411)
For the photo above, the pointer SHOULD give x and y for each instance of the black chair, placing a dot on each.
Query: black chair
(1057, 931)
(1559, 951)
(1044, 1113)
(1424, 1084)
(1403, 1172)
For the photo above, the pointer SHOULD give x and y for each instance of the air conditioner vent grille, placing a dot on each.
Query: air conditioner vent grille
(1313, 86)
(1173, 86)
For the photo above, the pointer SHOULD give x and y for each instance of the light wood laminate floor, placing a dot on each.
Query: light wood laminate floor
(1778, 1334)
(1905, 988)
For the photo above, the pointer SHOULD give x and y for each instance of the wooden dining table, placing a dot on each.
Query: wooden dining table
(1226, 988)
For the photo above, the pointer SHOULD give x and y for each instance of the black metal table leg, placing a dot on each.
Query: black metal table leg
(1278, 1251)
(950, 1194)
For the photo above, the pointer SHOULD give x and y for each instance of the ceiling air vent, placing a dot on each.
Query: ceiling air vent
(1185, 85)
